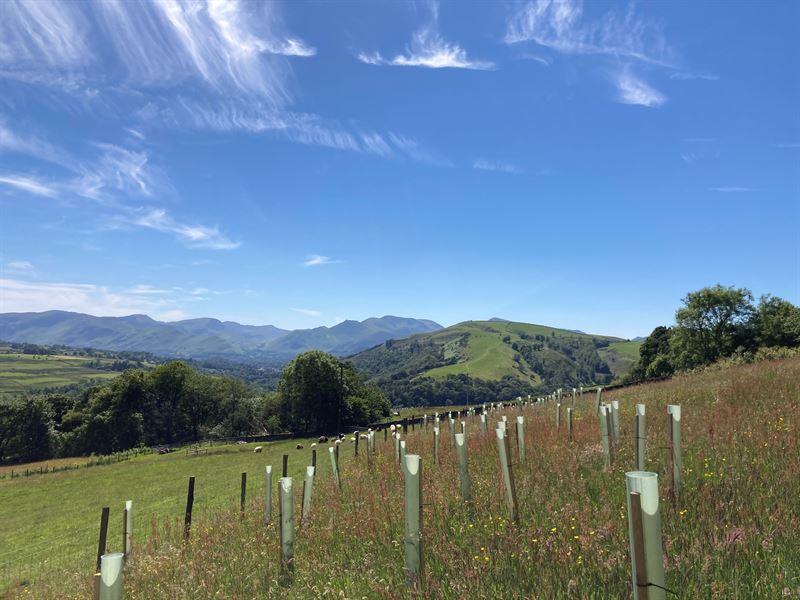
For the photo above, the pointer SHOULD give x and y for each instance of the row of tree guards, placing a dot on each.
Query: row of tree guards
(644, 520)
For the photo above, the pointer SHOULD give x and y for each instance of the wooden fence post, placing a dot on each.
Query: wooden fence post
(676, 459)
(597, 400)
(640, 437)
(187, 515)
(558, 415)
(101, 543)
(285, 470)
(357, 434)
(242, 494)
(413, 513)
(651, 580)
(268, 494)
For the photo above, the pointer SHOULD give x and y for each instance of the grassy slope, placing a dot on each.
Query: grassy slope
(55, 517)
(733, 533)
(620, 356)
(488, 357)
(25, 372)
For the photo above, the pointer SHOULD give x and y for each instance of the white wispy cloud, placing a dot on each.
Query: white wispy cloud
(308, 312)
(196, 236)
(147, 290)
(498, 166)
(633, 90)
(227, 45)
(687, 76)
(44, 32)
(301, 128)
(316, 260)
(29, 184)
(560, 26)
(20, 265)
(731, 189)
(100, 300)
(429, 49)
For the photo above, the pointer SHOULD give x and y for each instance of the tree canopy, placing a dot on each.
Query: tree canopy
(714, 323)
(321, 393)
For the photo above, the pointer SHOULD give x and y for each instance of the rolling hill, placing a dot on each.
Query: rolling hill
(202, 338)
(534, 358)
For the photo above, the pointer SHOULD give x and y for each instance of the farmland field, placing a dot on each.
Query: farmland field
(21, 373)
(732, 533)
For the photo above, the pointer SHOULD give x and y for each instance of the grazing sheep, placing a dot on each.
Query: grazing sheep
(258, 449)
(298, 447)
(363, 436)
(323, 439)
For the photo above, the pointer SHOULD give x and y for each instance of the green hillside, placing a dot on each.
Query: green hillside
(533, 358)
(26, 372)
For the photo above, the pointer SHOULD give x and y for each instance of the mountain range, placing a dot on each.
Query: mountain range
(203, 338)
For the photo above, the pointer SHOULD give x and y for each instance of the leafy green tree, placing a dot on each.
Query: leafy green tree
(710, 324)
(655, 349)
(320, 393)
(777, 323)
(33, 437)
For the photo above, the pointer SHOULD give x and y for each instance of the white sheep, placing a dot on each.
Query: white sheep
(258, 449)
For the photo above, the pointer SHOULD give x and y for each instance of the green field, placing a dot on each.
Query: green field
(21, 373)
(731, 534)
(53, 519)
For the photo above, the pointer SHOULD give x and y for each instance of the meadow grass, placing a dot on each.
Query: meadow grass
(52, 520)
(732, 533)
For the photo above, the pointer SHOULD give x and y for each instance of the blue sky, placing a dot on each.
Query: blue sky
(576, 165)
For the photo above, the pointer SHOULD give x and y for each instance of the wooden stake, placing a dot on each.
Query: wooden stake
(637, 537)
(101, 543)
(243, 493)
(187, 518)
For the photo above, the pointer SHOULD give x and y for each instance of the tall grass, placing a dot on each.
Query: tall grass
(733, 534)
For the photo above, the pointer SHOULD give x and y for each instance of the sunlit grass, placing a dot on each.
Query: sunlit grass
(734, 533)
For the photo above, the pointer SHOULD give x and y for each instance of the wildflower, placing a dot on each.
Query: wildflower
(553, 530)
(682, 513)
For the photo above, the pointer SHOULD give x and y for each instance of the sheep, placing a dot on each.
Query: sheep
(323, 439)
(258, 449)
(298, 447)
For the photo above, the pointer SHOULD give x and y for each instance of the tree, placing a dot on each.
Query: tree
(709, 324)
(319, 392)
(777, 323)
(654, 360)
